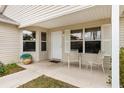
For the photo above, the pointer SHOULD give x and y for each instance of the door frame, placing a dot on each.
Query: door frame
(51, 55)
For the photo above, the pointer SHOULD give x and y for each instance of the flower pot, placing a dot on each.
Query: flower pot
(27, 61)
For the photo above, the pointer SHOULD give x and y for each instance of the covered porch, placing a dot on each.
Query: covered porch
(83, 78)
(51, 34)
(88, 31)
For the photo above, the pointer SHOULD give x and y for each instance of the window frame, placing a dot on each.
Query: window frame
(43, 41)
(98, 40)
(33, 41)
(84, 40)
(81, 40)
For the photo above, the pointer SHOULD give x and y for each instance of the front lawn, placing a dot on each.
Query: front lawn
(10, 69)
(46, 82)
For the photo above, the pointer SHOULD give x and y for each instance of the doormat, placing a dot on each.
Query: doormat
(55, 61)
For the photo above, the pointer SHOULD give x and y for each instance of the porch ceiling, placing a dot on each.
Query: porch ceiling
(51, 16)
(4, 18)
(85, 15)
(27, 15)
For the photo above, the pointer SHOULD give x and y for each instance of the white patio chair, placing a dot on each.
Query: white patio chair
(89, 59)
(72, 57)
(99, 61)
(94, 59)
(83, 58)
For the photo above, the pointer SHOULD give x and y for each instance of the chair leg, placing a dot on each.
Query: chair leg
(80, 64)
(68, 64)
(87, 66)
(91, 67)
(103, 68)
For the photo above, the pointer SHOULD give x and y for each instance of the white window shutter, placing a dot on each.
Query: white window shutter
(106, 39)
(67, 41)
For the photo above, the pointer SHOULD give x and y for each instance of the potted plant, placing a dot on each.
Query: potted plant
(26, 58)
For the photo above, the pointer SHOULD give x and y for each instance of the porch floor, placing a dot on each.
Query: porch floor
(83, 78)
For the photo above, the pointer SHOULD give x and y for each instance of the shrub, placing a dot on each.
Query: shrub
(3, 70)
(12, 65)
(122, 67)
(109, 81)
(26, 56)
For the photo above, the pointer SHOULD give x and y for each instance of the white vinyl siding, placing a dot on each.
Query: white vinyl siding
(106, 44)
(9, 43)
(122, 32)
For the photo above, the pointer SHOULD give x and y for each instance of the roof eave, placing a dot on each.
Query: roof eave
(5, 19)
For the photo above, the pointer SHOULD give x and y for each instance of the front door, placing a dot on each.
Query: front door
(56, 45)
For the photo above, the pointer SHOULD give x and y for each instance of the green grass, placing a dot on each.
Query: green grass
(10, 69)
(46, 82)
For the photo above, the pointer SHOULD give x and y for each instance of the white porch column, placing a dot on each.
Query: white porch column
(83, 40)
(21, 41)
(38, 45)
(115, 46)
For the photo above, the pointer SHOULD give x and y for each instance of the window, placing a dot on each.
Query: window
(92, 46)
(92, 40)
(77, 45)
(77, 40)
(77, 34)
(43, 41)
(92, 34)
(29, 40)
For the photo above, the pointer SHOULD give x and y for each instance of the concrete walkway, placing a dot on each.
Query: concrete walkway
(19, 78)
(81, 78)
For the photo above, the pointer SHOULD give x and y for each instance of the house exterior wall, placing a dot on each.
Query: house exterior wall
(38, 55)
(121, 32)
(9, 43)
(81, 25)
(105, 32)
(11, 40)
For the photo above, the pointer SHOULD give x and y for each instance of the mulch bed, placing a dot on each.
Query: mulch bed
(46, 82)
(13, 70)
